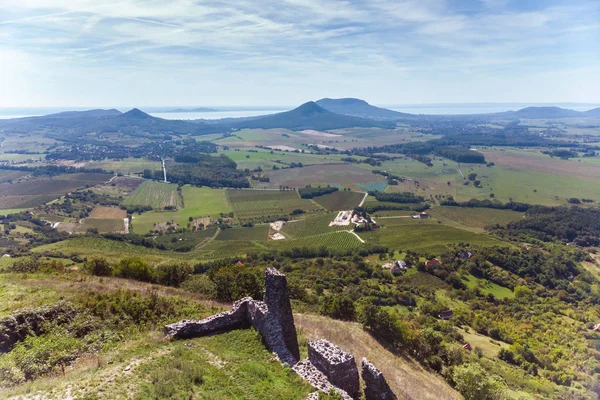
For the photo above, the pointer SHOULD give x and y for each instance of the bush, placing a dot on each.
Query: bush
(173, 274)
(135, 268)
(200, 284)
(338, 307)
(98, 266)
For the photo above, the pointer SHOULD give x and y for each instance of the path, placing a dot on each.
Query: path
(358, 237)
(126, 222)
(363, 200)
(164, 169)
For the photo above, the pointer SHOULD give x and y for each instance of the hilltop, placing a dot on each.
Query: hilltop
(360, 108)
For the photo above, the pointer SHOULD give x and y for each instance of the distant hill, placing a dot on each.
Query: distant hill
(544, 113)
(360, 108)
(309, 116)
(72, 124)
(593, 113)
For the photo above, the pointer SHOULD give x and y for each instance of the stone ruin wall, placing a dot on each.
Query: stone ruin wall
(327, 367)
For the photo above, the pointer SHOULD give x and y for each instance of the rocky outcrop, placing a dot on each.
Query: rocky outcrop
(18, 326)
(376, 387)
(272, 318)
(338, 366)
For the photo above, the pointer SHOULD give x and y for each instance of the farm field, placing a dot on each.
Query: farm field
(10, 175)
(311, 226)
(340, 200)
(198, 202)
(341, 175)
(422, 235)
(258, 232)
(266, 159)
(332, 241)
(37, 192)
(18, 158)
(258, 205)
(102, 212)
(158, 195)
(127, 166)
(474, 218)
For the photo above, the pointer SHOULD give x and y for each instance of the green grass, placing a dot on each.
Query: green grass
(256, 205)
(499, 292)
(158, 195)
(198, 202)
(311, 226)
(340, 200)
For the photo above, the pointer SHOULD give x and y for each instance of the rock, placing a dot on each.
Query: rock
(127, 368)
(376, 387)
(338, 366)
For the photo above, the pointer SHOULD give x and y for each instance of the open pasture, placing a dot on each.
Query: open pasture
(340, 200)
(158, 195)
(257, 205)
(102, 212)
(344, 175)
(10, 175)
(127, 182)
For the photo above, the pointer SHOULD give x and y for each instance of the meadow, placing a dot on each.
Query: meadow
(475, 219)
(126, 166)
(157, 195)
(258, 205)
(311, 226)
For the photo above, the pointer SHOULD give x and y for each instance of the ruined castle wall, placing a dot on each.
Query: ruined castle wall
(338, 366)
(376, 387)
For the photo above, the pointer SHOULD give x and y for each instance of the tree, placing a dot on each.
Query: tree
(475, 383)
(338, 306)
(98, 266)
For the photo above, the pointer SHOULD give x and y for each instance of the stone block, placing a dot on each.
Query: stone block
(338, 366)
(376, 387)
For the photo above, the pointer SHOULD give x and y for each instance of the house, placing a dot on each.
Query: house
(466, 254)
(467, 347)
(239, 264)
(433, 263)
(596, 328)
(445, 315)
(423, 215)
(398, 267)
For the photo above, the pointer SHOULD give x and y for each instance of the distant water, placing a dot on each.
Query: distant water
(239, 112)
(213, 115)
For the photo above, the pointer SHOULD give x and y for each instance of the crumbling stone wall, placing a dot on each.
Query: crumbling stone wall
(273, 319)
(338, 366)
(376, 387)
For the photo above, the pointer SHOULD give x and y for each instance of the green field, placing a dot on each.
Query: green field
(311, 226)
(258, 232)
(126, 166)
(422, 235)
(198, 202)
(340, 200)
(475, 218)
(332, 241)
(499, 292)
(158, 195)
(258, 205)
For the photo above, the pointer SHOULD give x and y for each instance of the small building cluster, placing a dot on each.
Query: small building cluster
(423, 215)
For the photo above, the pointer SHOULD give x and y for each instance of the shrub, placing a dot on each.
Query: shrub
(98, 266)
(135, 268)
(200, 284)
(337, 306)
(475, 383)
(173, 274)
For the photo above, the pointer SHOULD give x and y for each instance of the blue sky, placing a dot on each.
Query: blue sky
(284, 52)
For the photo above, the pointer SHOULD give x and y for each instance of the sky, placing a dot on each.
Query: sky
(87, 53)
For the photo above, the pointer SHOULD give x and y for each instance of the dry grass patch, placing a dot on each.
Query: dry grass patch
(406, 377)
(102, 212)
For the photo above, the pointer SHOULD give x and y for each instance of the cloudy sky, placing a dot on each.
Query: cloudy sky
(284, 52)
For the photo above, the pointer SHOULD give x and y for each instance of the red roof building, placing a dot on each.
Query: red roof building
(467, 347)
(433, 263)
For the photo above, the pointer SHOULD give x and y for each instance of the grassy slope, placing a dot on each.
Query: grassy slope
(474, 219)
(340, 200)
(405, 376)
(231, 365)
